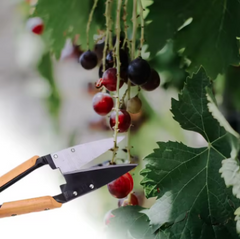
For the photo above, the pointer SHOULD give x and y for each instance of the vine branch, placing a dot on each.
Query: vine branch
(89, 21)
(108, 2)
(134, 21)
(125, 24)
(110, 25)
(117, 46)
(142, 27)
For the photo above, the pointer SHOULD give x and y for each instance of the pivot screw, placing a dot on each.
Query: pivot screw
(91, 186)
(75, 193)
(73, 150)
(55, 156)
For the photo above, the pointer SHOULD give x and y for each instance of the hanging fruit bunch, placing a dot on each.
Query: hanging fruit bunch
(120, 65)
(122, 75)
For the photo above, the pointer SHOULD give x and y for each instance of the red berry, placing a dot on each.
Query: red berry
(109, 80)
(124, 120)
(122, 186)
(153, 82)
(132, 200)
(88, 60)
(35, 24)
(102, 103)
(107, 217)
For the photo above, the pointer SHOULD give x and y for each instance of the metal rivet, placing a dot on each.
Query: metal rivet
(55, 156)
(73, 150)
(91, 186)
(75, 193)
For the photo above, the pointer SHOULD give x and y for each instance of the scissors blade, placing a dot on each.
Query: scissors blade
(74, 158)
(84, 181)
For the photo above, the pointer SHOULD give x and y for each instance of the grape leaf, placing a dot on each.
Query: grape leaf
(66, 19)
(191, 195)
(230, 169)
(192, 199)
(209, 35)
(129, 222)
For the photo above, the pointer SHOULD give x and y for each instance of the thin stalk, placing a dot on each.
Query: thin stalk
(142, 27)
(89, 21)
(117, 46)
(129, 130)
(107, 34)
(123, 97)
(134, 21)
(110, 25)
(125, 24)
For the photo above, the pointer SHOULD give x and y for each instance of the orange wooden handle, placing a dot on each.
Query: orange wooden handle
(29, 205)
(18, 170)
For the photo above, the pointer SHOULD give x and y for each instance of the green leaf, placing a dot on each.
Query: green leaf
(209, 36)
(230, 169)
(66, 19)
(129, 222)
(46, 70)
(192, 199)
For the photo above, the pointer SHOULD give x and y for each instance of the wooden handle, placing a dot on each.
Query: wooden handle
(29, 205)
(18, 170)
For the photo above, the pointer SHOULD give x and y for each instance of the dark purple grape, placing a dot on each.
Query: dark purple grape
(139, 71)
(153, 82)
(88, 60)
(124, 59)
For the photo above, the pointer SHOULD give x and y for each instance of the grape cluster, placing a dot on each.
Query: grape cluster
(138, 71)
(133, 72)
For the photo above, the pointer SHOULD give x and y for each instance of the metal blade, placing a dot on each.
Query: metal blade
(74, 158)
(84, 181)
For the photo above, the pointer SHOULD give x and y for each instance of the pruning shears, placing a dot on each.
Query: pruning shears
(70, 162)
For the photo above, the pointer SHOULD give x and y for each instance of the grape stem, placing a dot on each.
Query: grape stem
(125, 25)
(107, 33)
(123, 97)
(134, 21)
(89, 21)
(142, 27)
(117, 46)
(110, 22)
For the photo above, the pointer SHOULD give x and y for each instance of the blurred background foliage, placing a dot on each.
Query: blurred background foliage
(64, 40)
